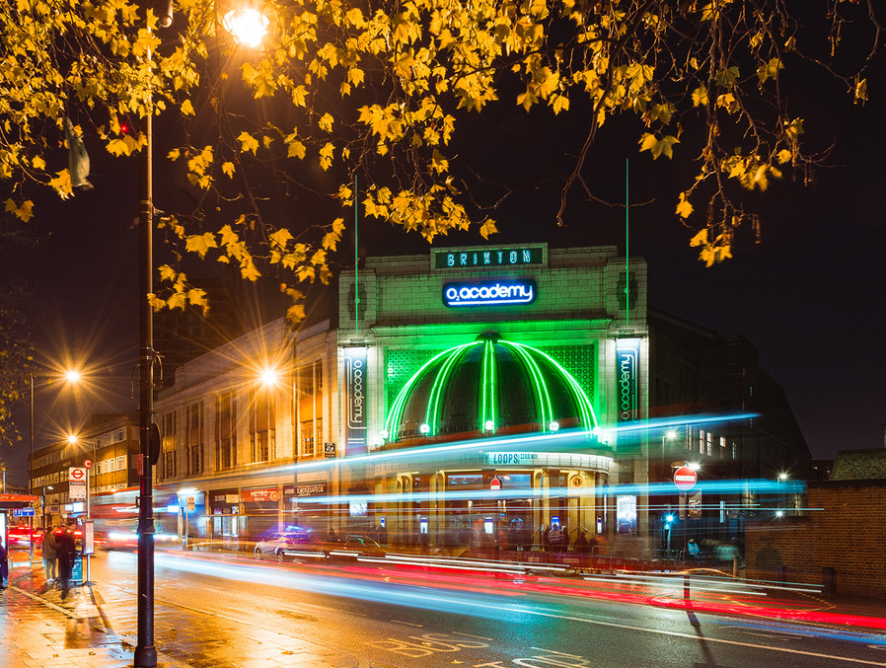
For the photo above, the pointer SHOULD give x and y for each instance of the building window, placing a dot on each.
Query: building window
(169, 464)
(307, 438)
(722, 447)
(225, 431)
(710, 440)
(194, 438)
(261, 426)
(701, 441)
(168, 443)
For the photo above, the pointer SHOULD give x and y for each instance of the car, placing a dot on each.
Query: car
(274, 544)
(353, 546)
(20, 536)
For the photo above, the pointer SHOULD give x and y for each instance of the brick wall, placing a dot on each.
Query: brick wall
(845, 530)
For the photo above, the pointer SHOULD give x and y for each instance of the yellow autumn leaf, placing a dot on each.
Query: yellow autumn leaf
(684, 207)
(700, 96)
(187, 108)
(488, 228)
(248, 143)
(228, 168)
(201, 243)
(325, 123)
(280, 238)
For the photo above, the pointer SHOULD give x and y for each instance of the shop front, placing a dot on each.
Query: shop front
(226, 523)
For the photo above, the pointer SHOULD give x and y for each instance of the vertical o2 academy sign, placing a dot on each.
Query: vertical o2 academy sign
(356, 384)
(627, 372)
(489, 293)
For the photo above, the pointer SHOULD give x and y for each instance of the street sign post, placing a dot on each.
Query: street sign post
(685, 478)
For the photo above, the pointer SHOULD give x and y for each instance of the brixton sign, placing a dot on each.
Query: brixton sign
(489, 293)
(494, 257)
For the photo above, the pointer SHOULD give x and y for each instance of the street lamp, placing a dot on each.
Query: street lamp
(72, 376)
(145, 654)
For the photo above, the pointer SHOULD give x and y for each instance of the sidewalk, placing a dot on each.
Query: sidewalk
(41, 626)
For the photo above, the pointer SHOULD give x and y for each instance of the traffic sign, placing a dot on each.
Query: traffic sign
(685, 478)
(495, 485)
(87, 464)
(76, 474)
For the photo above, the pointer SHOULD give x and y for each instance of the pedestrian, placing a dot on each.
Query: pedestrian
(581, 543)
(67, 551)
(4, 566)
(692, 546)
(50, 555)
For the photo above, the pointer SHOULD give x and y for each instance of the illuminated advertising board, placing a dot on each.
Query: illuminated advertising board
(627, 373)
(355, 400)
(505, 292)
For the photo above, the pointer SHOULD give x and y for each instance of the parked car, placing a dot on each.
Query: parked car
(274, 545)
(353, 546)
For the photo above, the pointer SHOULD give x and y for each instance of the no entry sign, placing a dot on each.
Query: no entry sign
(685, 478)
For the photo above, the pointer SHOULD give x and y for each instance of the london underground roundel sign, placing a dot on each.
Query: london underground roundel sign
(685, 478)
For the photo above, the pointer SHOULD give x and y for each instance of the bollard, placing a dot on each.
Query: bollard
(686, 586)
(735, 566)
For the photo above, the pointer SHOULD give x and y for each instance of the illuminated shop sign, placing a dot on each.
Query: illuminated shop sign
(355, 389)
(494, 257)
(489, 293)
(627, 369)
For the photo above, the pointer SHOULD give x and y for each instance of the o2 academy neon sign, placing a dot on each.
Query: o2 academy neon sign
(489, 293)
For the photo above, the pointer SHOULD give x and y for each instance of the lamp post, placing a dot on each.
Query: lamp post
(145, 654)
(72, 376)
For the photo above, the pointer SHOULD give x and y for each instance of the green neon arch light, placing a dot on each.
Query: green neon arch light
(555, 395)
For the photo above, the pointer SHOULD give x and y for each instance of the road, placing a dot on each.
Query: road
(416, 617)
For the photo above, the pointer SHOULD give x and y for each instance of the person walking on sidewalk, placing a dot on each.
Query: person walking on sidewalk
(50, 555)
(4, 566)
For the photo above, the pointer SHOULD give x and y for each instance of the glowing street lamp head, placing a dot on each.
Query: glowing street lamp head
(670, 435)
(425, 428)
(554, 426)
(269, 377)
(73, 439)
(73, 375)
(694, 466)
(489, 425)
(248, 26)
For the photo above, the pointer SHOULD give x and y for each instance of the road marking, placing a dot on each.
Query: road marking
(468, 635)
(418, 626)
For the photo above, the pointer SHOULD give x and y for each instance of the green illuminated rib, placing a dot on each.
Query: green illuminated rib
(589, 418)
(440, 385)
(400, 402)
(488, 396)
(539, 387)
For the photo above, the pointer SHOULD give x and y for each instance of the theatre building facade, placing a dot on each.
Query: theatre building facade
(469, 396)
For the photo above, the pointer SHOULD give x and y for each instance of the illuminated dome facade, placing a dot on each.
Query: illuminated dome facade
(484, 388)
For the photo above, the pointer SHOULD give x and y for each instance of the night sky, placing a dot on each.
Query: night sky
(808, 297)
